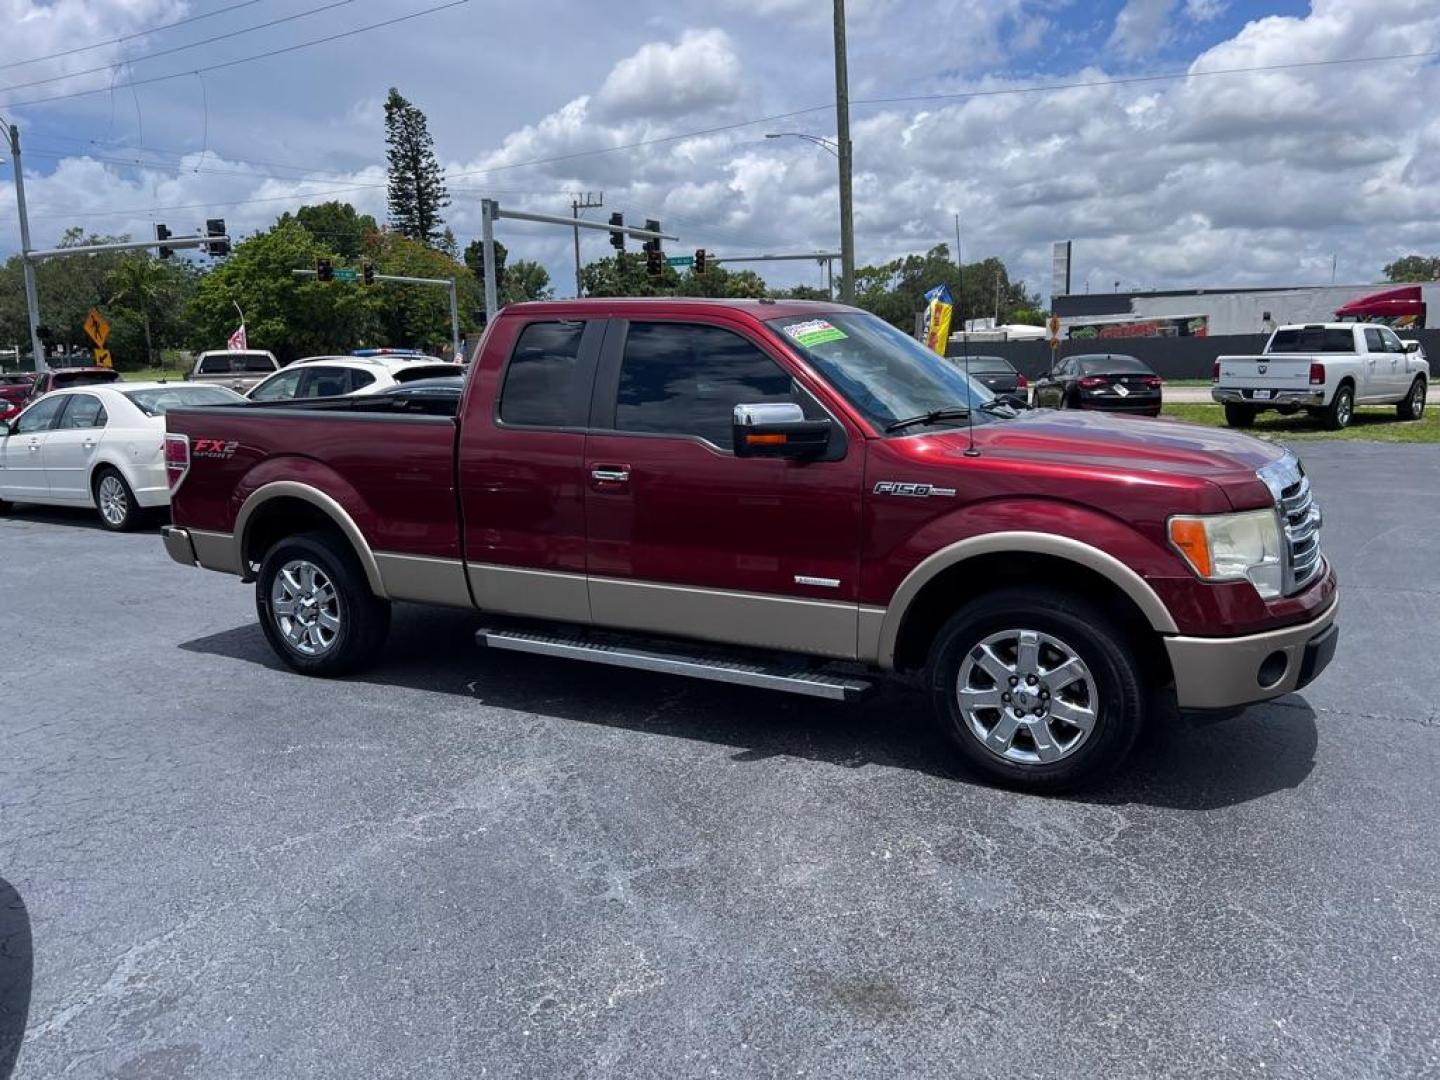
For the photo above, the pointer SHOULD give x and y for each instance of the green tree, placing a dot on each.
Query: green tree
(139, 284)
(896, 290)
(625, 275)
(418, 316)
(1414, 268)
(416, 187)
(526, 280)
(800, 292)
(336, 225)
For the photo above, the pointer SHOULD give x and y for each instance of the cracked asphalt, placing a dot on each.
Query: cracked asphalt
(472, 865)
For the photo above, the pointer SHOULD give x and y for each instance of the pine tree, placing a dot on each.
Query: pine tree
(416, 189)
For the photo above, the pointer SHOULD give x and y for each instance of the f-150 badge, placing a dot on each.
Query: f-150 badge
(914, 491)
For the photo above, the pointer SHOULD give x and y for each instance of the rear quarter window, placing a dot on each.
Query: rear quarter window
(546, 382)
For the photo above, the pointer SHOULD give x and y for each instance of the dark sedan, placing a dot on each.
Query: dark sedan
(1109, 382)
(995, 373)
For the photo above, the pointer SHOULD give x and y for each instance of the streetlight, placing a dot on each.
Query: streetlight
(824, 144)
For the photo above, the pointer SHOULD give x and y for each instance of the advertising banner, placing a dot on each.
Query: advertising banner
(939, 307)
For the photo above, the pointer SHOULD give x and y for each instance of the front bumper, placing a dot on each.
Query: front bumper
(1220, 673)
(1309, 398)
(178, 544)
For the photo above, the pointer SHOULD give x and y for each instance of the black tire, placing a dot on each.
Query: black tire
(1087, 632)
(363, 618)
(1413, 406)
(114, 501)
(1239, 416)
(1337, 415)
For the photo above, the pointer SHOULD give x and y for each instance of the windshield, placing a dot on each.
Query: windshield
(885, 374)
(159, 400)
(84, 378)
(1313, 339)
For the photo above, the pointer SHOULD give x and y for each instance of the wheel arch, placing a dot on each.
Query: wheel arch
(964, 570)
(285, 507)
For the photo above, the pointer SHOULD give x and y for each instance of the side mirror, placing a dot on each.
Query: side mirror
(1015, 401)
(1412, 346)
(778, 430)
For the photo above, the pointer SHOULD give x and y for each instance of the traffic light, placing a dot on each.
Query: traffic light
(617, 238)
(323, 270)
(367, 272)
(162, 234)
(699, 260)
(653, 262)
(216, 227)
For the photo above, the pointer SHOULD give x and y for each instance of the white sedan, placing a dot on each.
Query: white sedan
(342, 376)
(97, 446)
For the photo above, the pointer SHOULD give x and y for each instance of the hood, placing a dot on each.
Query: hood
(1125, 443)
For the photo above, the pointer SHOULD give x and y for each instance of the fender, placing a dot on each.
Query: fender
(326, 505)
(1063, 547)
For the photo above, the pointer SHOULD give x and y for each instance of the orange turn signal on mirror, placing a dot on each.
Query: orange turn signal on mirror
(765, 440)
(1190, 539)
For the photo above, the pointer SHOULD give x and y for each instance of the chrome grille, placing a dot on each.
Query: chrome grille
(1300, 516)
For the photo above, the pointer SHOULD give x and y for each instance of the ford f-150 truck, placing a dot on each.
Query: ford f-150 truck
(779, 494)
(1327, 369)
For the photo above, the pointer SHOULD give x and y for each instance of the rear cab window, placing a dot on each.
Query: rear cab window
(1312, 339)
(550, 375)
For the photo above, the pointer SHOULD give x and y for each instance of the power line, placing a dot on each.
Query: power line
(181, 48)
(130, 37)
(240, 60)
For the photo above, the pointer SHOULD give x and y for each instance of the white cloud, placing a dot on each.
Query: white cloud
(1142, 27)
(698, 72)
(1201, 11)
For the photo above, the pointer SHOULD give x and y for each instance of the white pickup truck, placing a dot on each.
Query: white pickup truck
(1326, 369)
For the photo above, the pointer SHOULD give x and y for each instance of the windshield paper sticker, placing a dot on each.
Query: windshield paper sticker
(814, 332)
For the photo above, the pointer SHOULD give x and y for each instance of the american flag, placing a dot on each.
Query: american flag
(237, 339)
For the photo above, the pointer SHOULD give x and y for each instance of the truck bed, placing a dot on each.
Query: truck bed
(391, 468)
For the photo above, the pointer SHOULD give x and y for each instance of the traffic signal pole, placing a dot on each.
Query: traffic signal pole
(32, 297)
(490, 212)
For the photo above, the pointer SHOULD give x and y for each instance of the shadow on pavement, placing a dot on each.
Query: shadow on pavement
(1269, 749)
(80, 517)
(17, 968)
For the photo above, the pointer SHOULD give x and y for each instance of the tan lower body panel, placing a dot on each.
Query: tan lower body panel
(816, 627)
(1217, 673)
(424, 580)
(535, 594)
(216, 551)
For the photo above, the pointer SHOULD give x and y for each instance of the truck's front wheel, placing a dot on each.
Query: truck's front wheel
(1037, 690)
(316, 607)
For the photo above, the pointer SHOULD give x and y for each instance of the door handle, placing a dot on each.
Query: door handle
(34, 447)
(611, 474)
(88, 444)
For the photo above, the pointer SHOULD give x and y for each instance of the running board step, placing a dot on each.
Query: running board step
(786, 675)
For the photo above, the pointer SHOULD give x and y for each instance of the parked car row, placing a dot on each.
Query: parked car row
(1108, 382)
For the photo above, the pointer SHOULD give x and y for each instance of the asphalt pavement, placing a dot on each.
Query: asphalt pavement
(489, 865)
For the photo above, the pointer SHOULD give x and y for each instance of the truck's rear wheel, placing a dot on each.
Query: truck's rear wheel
(1037, 690)
(1413, 406)
(316, 607)
(1239, 416)
(1341, 410)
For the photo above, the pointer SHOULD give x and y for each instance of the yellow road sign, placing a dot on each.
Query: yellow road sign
(97, 328)
(102, 357)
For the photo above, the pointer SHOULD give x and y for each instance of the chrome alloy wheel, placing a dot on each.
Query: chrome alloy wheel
(114, 503)
(1417, 400)
(1344, 410)
(305, 607)
(1027, 696)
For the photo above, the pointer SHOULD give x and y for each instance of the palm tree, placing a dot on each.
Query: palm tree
(139, 282)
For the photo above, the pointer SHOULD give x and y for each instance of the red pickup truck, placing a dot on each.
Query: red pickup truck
(781, 494)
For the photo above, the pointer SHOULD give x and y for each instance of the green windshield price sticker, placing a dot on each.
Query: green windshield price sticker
(814, 332)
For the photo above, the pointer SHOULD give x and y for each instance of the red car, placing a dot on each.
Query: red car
(14, 392)
(66, 377)
(748, 490)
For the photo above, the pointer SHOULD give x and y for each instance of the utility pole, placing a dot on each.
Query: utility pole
(592, 201)
(959, 275)
(32, 299)
(842, 121)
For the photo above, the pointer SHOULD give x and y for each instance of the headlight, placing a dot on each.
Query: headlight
(1233, 547)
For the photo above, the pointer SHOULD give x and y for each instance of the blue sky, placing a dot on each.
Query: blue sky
(1212, 181)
